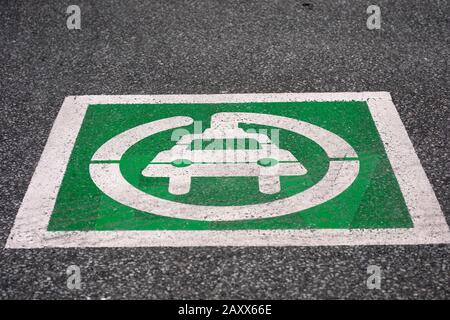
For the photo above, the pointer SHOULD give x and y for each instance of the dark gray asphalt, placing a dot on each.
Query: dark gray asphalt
(212, 46)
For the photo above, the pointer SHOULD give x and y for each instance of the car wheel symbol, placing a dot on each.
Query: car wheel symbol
(181, 163)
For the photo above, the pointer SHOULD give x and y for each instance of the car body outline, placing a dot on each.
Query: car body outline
(268, 163)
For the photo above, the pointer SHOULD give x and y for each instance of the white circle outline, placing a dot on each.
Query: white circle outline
(340, 174)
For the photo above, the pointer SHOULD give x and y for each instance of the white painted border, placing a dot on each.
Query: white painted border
(30, 227)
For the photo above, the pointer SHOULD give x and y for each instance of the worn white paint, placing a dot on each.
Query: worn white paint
(215, 161)
(339, 177)
(108, 178)
(30, 227)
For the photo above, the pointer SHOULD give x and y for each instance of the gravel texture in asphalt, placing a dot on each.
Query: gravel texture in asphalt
(212, 46)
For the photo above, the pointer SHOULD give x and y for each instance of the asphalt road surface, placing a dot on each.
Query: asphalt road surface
(186, 47)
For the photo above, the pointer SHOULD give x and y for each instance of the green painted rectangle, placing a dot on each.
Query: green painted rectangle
(373, 201)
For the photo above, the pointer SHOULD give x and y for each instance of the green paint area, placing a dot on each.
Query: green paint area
(374, 200)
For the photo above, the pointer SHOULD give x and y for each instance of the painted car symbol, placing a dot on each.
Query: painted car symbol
(224, 153)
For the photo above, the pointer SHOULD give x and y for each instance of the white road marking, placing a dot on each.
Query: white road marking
(217, 161)
(339, 177)
(334, 146)
(115, 148)
(108, 178)
(30, 227)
